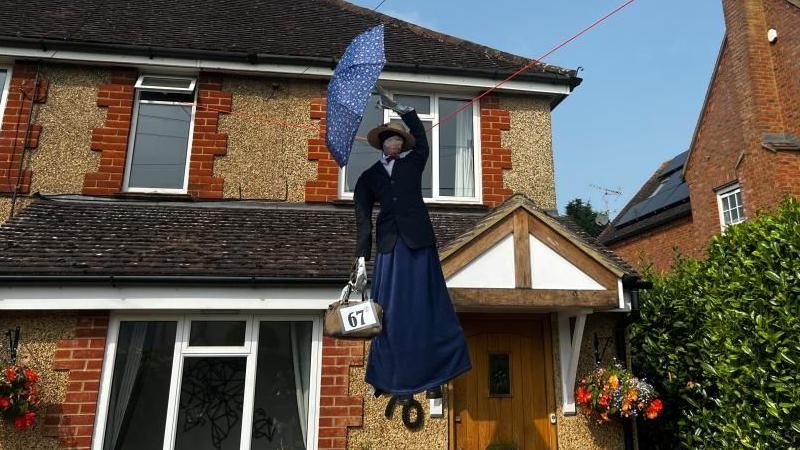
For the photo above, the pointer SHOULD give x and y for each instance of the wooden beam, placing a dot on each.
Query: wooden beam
(573, 254)
(490, 298)
(471, 251)
(522, 250)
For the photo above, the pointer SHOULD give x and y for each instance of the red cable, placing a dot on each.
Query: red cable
(466, 105)
(532, 63)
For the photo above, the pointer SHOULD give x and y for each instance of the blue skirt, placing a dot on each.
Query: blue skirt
(422, 345)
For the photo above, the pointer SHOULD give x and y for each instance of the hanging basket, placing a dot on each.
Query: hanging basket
(612, 392)
(19, 398)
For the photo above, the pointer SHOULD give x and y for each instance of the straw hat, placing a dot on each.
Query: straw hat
(377, 135)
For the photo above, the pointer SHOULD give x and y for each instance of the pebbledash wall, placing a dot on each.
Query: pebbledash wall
(81, 119)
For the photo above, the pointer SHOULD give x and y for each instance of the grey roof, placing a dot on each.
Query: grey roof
(76, 237)
(313, 31)
(662, 199)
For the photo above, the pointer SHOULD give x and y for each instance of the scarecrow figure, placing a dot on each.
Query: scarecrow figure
(422, 345)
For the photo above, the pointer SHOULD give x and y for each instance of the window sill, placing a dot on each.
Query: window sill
(150, 196)
(438, 206)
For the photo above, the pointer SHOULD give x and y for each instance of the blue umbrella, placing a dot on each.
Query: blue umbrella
(349, 91)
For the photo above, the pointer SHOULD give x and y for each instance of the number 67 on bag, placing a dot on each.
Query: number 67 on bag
(360, 315)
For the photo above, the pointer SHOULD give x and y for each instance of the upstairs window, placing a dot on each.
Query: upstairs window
(453, 170)
(5, 82)
(731, 208)
(160, 143)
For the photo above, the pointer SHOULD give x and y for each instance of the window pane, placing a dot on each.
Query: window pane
(456, 154)
(427, 174)
(163, 82)
(421, 103)
(727, 217)
(137, 408)
(160, 146)
(210, 411)
(363, 155)
(499, 374)
(283, 375)
(3, 75)
(217, 333)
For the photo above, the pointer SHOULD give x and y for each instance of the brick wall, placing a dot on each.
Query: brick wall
(112, 139)
(207, 142)
(338, 408)
(657, 248)
(73, 421)
(494, 158)
(326, 186)
(24, 92)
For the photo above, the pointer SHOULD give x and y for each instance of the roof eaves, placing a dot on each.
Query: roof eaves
(703, 110)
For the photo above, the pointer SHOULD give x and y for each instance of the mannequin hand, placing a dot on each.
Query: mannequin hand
(360, 272)
(387, 101)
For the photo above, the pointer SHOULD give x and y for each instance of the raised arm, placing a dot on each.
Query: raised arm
(422, 149)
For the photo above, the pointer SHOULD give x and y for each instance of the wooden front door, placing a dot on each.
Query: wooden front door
(507, 397)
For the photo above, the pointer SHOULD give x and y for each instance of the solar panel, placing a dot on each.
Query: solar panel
(672, 189)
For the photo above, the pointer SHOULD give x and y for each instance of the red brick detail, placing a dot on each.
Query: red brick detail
(658, 247)
(22, 94)
(494, 158)
(111, 140)
(326, 186)
(207, 143)
(72, 422)
(338, 409)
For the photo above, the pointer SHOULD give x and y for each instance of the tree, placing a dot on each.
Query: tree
(718, 338)
(584, 216)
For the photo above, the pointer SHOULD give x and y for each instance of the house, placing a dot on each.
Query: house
(175, 229)
(743, 158)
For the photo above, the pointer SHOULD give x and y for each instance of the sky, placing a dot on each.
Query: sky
(645, 74)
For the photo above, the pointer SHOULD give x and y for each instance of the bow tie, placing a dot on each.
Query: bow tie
(389, 158)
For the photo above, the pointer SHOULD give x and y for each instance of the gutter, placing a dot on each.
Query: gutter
(115, 280)
(569, 79)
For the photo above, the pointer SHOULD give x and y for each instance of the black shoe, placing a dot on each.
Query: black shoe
(434, 393)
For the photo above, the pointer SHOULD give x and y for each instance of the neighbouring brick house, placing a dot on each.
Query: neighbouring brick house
(745, 154)
(175, 228)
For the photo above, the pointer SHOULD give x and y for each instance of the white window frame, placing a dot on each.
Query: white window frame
(5, 90)
(434, 151)
(725, 192)
(134, 119)
(180, 353)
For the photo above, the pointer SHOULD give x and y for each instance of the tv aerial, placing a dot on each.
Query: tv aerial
(602, 219)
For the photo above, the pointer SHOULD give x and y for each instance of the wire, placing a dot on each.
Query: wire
(535, 61)
(379, 5)
(467, 104)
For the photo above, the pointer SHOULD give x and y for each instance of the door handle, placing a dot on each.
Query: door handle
(457, 419)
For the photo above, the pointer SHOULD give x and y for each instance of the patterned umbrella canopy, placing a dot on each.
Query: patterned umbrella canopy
(349, 90)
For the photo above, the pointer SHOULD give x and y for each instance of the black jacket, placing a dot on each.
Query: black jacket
(403, 211)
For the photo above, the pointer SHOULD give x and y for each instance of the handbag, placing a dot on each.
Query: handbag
(346, 319)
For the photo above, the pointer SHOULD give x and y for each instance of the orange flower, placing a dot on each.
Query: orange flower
(655, 408)
(583, 395)
(613, 381)
(632, 395)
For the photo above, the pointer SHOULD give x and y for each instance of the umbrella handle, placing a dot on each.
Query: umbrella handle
(387, 101)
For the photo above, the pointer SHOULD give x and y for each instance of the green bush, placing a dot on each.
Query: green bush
(720, 341)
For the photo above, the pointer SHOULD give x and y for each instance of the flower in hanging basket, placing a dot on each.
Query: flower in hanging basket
(18, 396)
(614, 393)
